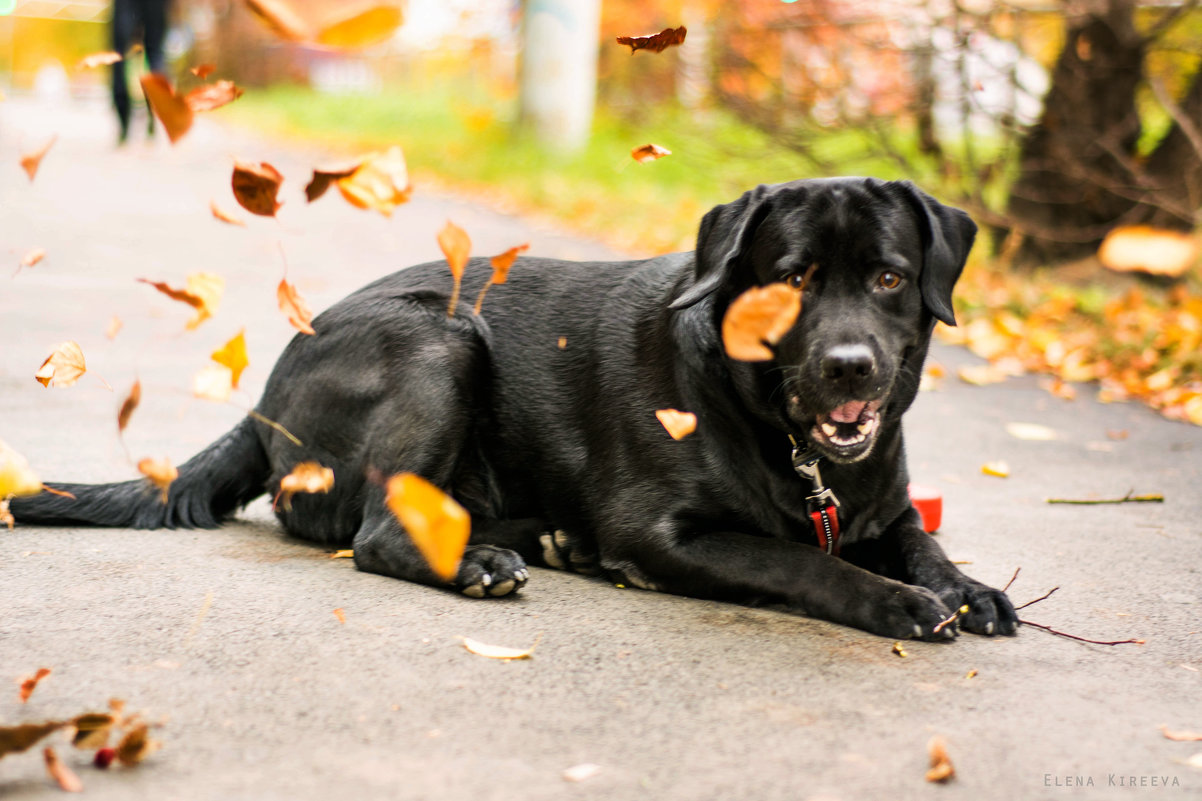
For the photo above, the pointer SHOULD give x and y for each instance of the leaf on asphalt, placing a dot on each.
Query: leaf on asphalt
(761, 314)
(214, 382)
(899, 650)
(1142, 248)
(159, 472)
(456, 246)
(1032, 432)
(997, 469)
(203, 71)
(655, 43)
(102, 59)
(128, 405)
(171, 109)
(309, 477)
(31, 161)
(31, 258)
(114, 327)
(212, 96)
(578, 773)
(345, 553)
(63, 367)
(649, 152)
(30, 683)
(58, 770)
(202, 292)
(1180, 736)
(499, 651)
(92, 729)
(980, 375)
(340, 614)
(500, 271)
(371, 26)
(233, 355)
(678, 424)
(136, 745)
(16, 476)
(436, 523)
(294, 307)
(379, 183)
(941, 764)
(255, 185)
(224, 215)
(282, 20)
(325, 175)
(15, 739)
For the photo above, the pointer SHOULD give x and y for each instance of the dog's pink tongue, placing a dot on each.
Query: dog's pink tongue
(849, 412)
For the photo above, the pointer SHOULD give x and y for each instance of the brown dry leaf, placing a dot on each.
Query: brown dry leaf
(213, 383)
(1180, 736)
(233, 355)
(16, 476)
(58, 770)
(326, 175)
(114, 327)
(102, 59)
(499, 651)
(203, 71)
(15, 739)
(436, 523)
(224, 215)
(997, 469)
(456, 246)
(649, 152)
(160, 472)
(255, 186)
(941, 765)
(295, 307)
(678, 424)
(63, 367)
(212, 96)
(128, 405)
(136, 745)
(282, 20)
(341, 615)
(93, 728)
(308, 477)
(29, 684)
(655, 43)
(202, 292)
(171, 109)
(380, 182)
(32, 257)
(1142, 248)
(372, 25)
(761, 314)
(31, 161)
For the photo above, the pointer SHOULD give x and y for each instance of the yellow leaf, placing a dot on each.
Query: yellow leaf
(309, 477)
(436, 523)
(499, 651)
(114, 327)
(346, 553)
(678, 424)
(998, 469)
(370, 26)
(63, 367)
(233, 355)
(295, 307)
(215, 383)
(160, 472)
(941, 764)
(381, 182)
(16, 476)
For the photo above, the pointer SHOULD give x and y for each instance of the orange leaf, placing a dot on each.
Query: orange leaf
(1142, 248)
(282, 20)
(160, 472)
(324, 176)
(202, 292)
(63, 367)
(502, 263)
(103, 59)
(214, 383)
(655, 43)
(644, 153)
(1179, 736)
(17, 478)
(338, 613)
(308, 477)
(380, 182)
(233, 355)
(31, 161)
(203, 71)
(678, 424)
(363, 29)
(941, 765)
(31, 258)
(436, 523)
(255, 187)
(212, 96)
(761, 314)
(171, 109)
(997, 469)
(224, 215)
(114, 327)
(28, 685)
(456, 246)
(128, 405)
(295, 307)
(58, 770)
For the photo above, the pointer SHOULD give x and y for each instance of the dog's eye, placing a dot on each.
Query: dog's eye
(889, 280)
(795, 280)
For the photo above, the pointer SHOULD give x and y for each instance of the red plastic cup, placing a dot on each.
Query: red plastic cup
(929, 503)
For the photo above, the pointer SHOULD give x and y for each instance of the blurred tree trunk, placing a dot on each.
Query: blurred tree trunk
(558, 84)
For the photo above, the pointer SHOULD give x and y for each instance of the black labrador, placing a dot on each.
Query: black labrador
(538, 416)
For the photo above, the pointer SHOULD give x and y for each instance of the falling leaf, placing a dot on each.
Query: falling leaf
(1142, 248)
(63, 367)
(31, 258)
(136, 745)
(160, 472)
(1032, 432)
(15, 739)
(649, 152)
(380, 182)
(295, 307)
(58, 770)
(202, 292)
(224, 215)
(678, 424)
(93, 728)
(371, 26)
(282, 20)
(436, 523)
(562, 343)
(971, 674)
(655, 43)
(761, 314)
(500, 271)
(941, 765)
(29, 684)
(980, 375)
(128, 405)
(581, 772)
(255, 186)
(171, 109)
(309, 477)
(499, 651)
(998, 469)
(1180, 736)
(102, 59)
(345, 553)
(338, 613)
(233, 355)
(456, 246)
(212, 96)
(16, 476)
(899, 650)
(213, 383)
(114, 327)
(31, 161)
(326, 175)
(202, 71)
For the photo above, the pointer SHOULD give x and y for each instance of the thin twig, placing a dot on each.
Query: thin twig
(1051, 630)
(274, 425)
(1128, 498)
(1043, 597)
(951, 619)
(1012, 578)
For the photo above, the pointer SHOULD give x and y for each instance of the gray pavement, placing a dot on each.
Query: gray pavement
(230, 636)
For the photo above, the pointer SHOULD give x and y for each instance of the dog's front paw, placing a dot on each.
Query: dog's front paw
(910, 612)
(562, 551)
(490, 572)
(989, 611)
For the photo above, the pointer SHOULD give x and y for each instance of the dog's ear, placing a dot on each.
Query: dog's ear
(722, 238)
(947, 238)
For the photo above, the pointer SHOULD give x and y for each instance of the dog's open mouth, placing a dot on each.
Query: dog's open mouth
(849, 429)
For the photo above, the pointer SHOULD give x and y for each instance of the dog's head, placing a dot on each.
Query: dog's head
(887, 256)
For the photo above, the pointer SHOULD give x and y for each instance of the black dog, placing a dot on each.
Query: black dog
(539, 417)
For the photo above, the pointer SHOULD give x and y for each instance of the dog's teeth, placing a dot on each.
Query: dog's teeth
(829, 429)
(864, 427)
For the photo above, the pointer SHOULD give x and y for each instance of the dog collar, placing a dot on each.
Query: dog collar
(821, 504)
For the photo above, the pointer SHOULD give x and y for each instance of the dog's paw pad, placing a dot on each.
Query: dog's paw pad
(503, 588)
(490, 572)
(551, 553)
(563, 552)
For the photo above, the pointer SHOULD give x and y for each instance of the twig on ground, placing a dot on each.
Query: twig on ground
(1012, 578)
(1128, 498)
(1051, 630)
(1037, 600)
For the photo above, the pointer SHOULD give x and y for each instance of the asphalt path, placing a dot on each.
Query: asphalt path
(230, 639)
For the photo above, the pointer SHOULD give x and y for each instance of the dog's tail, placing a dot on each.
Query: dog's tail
(211, 485)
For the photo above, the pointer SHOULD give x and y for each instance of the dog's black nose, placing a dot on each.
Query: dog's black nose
(850, 365)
